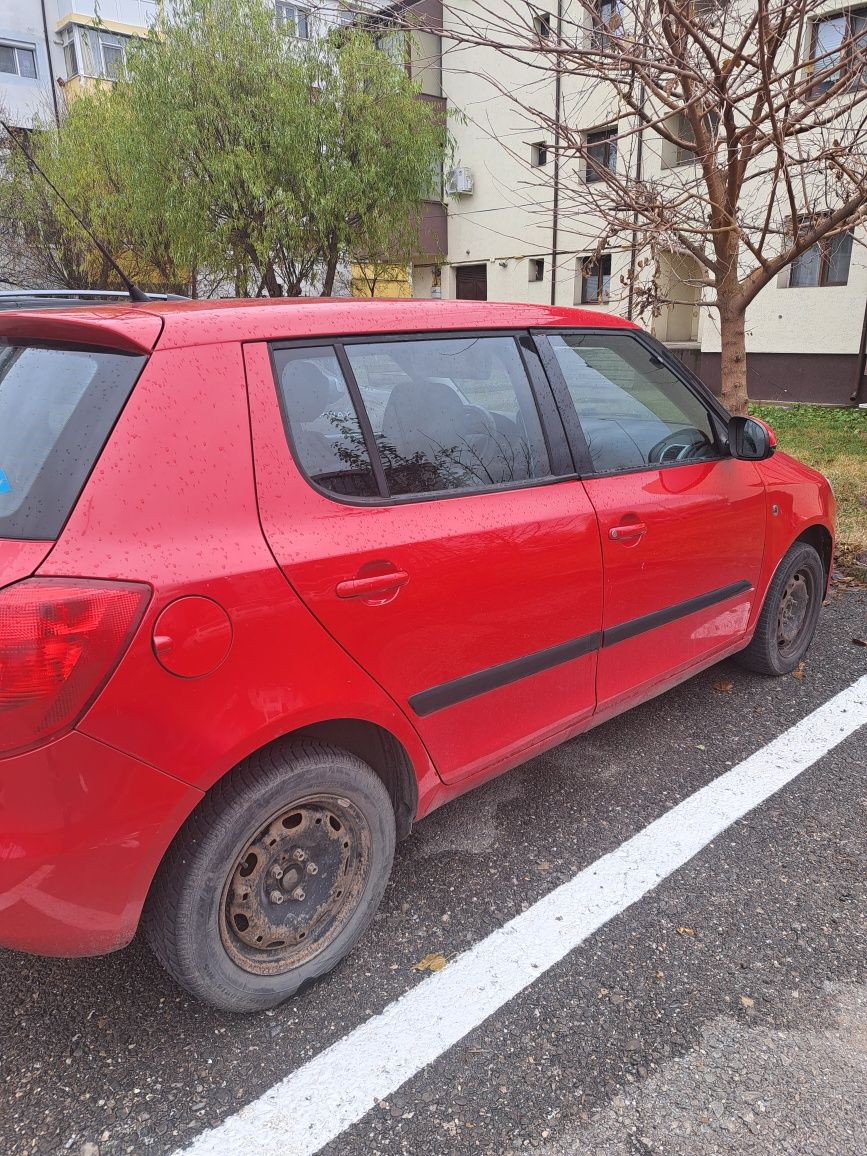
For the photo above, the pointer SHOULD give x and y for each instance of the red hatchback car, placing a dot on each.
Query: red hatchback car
(279, 578)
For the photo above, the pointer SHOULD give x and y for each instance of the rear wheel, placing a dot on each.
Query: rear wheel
(789, 616)
(274, 877)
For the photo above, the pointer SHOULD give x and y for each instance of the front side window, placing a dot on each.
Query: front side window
(318, 410)
(635, 413)
(594, 276)
(18, 61)
(825, 263)
(450, 414)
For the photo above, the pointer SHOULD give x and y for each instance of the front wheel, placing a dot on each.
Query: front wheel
(274, 877)
(790, 614)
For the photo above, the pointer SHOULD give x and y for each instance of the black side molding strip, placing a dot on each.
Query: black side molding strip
(470, 685)
(451, 693)
(625, 630)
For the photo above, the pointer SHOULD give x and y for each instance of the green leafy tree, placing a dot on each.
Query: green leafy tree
(235, 148)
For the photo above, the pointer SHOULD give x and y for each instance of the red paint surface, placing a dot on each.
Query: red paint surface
(196, 495)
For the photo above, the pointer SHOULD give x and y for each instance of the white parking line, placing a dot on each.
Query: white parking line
(313, 1105)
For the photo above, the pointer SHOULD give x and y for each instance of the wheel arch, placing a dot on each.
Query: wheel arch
(382, 751)
(821, 539)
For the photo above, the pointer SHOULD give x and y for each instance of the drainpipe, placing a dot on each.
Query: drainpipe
(858, 395)
(633, 257)
(51, 78)
(639, 158)
(556, 206)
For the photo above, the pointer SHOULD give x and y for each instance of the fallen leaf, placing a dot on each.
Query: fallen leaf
(746, 1001)
(685, 931)
(860, 641)
(800, 671)
(432, 962)
(700, 747)
(723, 685)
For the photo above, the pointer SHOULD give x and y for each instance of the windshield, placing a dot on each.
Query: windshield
(57, 407)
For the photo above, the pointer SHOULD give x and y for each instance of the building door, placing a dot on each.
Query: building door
(471, 282)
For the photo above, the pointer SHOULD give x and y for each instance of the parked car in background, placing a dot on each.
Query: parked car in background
(278, 578)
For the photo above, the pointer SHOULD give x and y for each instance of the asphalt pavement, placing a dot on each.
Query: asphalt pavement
(725, 1012)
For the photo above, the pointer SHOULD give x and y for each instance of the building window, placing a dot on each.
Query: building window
(70, 56)
(112, 57)
(825, 263)
(539, 154)
(542, 25)
(839, 42)
(601, 149)
(679, 126)
(607, 23)
(297, 19)
(537, 269)
(93, 53)
(18, 61)
(595, 278)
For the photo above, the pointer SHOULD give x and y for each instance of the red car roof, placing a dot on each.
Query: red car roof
(136, 327)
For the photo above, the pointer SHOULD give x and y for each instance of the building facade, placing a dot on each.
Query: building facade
(512, 235)
(50, 49)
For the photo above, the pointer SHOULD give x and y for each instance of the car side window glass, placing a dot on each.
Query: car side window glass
(450, 414)
(634, 411)
(322, 422)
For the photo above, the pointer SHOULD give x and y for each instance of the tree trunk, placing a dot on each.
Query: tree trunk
(733, 360)
(330, 273)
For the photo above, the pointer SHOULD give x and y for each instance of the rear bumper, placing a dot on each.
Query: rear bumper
(82, 830)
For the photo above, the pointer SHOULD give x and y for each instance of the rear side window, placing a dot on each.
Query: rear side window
(436, 414)
(57, 408)
(321, 418)
(633, 410)
(450, 414)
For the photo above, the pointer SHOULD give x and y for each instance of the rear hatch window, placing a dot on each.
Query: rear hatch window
(57, 408)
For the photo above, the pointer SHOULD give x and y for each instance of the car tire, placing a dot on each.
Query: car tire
(274, 877)
(790, 613)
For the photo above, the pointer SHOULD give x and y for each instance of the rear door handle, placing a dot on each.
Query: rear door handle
(627, 531)
(372, 587)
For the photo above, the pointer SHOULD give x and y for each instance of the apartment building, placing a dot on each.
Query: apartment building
(512, 235)
(50, 49)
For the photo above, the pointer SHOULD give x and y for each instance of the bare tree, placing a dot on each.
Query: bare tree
(741, 134)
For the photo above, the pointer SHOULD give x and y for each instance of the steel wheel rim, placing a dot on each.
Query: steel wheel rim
(794, 611)
(295, 884)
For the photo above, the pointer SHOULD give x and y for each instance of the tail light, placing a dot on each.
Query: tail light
(60, 639)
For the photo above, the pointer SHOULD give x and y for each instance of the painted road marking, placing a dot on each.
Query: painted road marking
(320, 1100)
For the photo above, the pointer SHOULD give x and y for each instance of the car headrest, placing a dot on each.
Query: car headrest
(305, 390)
(421, 413)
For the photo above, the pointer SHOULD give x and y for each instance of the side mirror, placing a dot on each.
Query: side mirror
(750, 439)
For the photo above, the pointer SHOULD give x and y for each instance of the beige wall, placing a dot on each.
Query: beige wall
(508, 217)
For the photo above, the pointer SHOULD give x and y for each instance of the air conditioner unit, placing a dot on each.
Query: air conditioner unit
(460, 182)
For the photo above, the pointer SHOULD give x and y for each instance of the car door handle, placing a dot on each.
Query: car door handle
(627, 531)
(376, 584)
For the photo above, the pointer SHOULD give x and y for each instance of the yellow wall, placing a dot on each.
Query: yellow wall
(389, 282)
